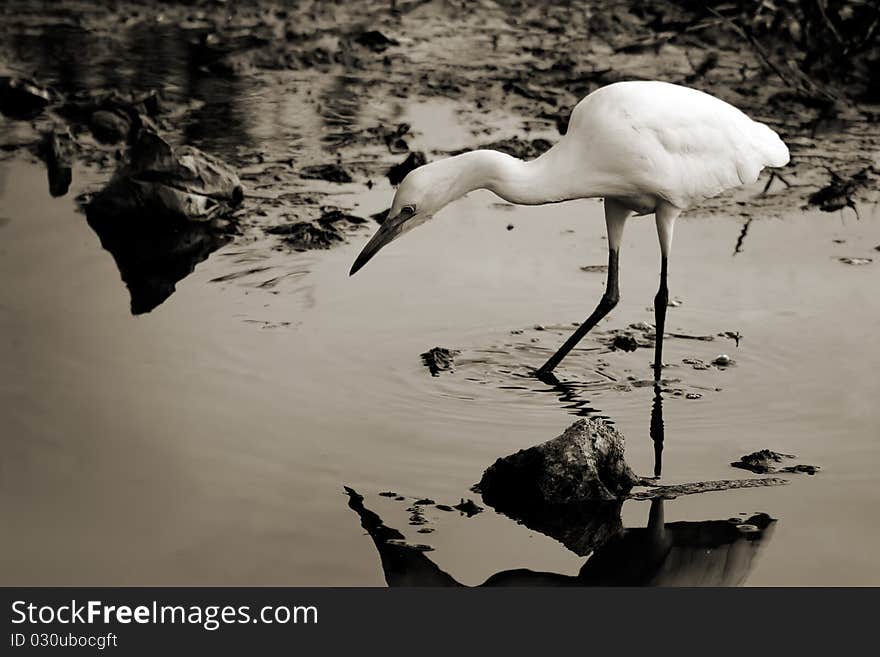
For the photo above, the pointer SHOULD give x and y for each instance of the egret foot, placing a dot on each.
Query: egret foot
(546, 376)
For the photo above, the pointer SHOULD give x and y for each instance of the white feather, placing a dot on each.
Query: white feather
(665, 141)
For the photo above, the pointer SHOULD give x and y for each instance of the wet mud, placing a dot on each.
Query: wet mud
(534, 64)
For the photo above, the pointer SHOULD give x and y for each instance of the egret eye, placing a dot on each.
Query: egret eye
(408, 210)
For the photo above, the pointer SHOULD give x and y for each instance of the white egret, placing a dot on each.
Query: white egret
(645, 147)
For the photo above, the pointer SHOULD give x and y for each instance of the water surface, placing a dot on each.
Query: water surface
(208, 441)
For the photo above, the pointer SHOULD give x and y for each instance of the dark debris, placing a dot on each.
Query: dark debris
(439, 359)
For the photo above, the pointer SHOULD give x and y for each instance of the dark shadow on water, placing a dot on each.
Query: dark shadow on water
(702, 553)
(154, 254)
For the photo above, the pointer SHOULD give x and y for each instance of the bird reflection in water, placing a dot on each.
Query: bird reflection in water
(704, 553)
(569, 393)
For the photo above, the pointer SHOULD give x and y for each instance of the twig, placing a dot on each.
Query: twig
(655, 491)
(758, 49)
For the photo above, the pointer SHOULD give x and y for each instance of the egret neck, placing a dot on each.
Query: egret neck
(533, 182)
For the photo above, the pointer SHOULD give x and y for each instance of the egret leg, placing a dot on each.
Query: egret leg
(661, 301)
(666, 215)
(615, 218)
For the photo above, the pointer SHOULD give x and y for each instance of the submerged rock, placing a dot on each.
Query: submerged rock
(800, 468)
(21, 98)
(761, 461)
(183, 183)
(439, 359)
(765, 461)
(624, 343)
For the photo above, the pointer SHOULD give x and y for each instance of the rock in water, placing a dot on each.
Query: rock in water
(183, 183)
(22, 99)
(764, 461)
(439, 359)
(584, 464)
(570, 488)
(761, 461)
(624, 342)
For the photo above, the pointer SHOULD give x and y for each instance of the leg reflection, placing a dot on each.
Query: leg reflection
(657, 430)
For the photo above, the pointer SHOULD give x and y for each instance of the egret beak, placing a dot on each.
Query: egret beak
(390, 230)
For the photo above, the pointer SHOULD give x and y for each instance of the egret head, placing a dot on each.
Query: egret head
(422, 193)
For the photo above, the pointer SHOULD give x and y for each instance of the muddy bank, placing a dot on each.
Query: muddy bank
(316, 106)
(513, 84)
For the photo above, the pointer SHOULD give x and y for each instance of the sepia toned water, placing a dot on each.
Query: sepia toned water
(208, 441)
